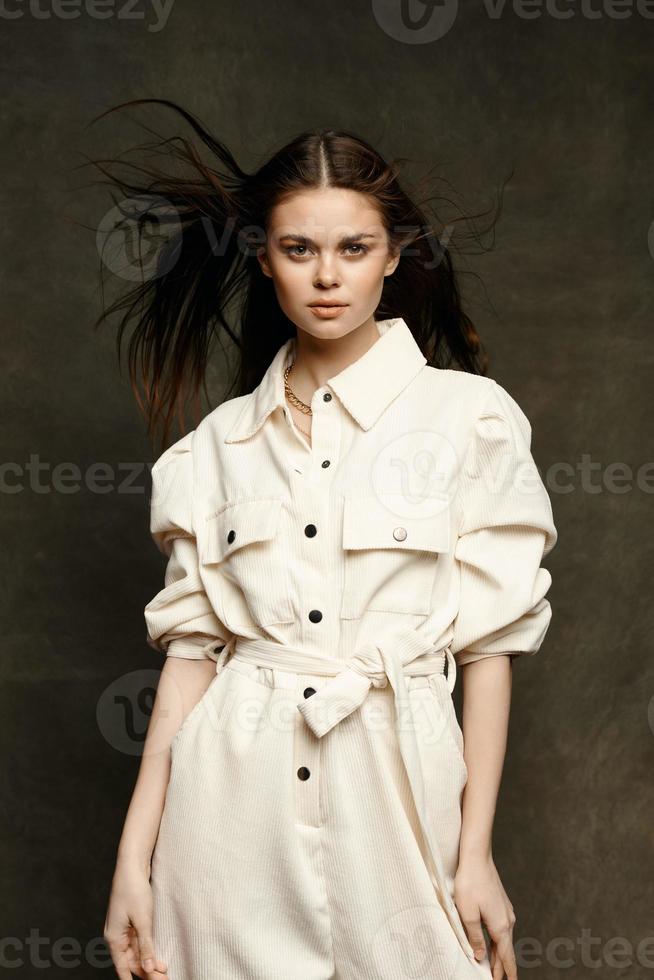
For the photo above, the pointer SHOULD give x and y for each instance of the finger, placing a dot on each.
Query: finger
(476, 937)
(156, 974)
(146, 946)
(498, 968)
(123, 974)
(506, 954)
(491, 958)
(121, 961)
(133, 960)
(160, 968)
(159, 972)
(144, 975)
(119, 952)
(510, 965)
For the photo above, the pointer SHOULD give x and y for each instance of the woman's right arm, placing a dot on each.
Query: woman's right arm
(128, 925)
(182, 625)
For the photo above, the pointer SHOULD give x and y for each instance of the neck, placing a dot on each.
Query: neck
(317, 360)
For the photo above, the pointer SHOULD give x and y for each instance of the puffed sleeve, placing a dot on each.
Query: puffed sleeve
(506, 529)
(180, 619)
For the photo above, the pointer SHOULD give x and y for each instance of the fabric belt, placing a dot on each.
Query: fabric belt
(373, 665)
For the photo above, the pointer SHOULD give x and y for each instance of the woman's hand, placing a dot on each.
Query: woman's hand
(128, 926)
(480, 897)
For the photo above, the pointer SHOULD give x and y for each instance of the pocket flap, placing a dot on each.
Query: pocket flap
(236, 524)
(381, 521)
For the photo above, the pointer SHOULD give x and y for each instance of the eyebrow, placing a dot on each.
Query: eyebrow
(305, 240)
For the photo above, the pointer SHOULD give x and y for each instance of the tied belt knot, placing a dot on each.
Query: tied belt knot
(371, 665)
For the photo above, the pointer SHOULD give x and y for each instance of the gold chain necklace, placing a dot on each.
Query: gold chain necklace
(293, 398)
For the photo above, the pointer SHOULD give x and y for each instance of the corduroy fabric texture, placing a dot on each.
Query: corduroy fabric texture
(415, 523)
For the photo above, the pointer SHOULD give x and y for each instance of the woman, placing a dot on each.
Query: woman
(361, 520)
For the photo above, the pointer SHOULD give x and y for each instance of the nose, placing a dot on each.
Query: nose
(325, 274)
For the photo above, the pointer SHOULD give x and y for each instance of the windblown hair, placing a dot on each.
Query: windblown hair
(212, 221)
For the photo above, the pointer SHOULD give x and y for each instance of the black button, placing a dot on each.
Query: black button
(325, 464)
(303, 773)
(308, 691)
(327, 397)
(231, 536)
(310, 530)
(315, 615)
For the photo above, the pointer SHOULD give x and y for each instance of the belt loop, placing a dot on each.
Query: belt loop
(450, 662)
(220, 655)
(222, 658)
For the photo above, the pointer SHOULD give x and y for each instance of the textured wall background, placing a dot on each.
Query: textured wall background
(562, 96)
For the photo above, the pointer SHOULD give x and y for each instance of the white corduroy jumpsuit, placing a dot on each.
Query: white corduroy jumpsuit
(313, 814)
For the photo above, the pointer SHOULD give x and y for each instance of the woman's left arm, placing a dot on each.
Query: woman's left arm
(478, 890)
(506, 528)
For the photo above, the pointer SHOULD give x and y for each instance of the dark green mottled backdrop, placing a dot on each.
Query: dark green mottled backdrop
(563, 97)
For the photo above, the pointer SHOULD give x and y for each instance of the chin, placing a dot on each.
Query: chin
(339, 326)
(331, 333)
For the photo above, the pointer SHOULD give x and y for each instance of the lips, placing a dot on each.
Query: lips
(327, 311)
(331, 302)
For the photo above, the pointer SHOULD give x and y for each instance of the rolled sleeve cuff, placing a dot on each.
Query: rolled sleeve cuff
(466, 657)
(187, 648)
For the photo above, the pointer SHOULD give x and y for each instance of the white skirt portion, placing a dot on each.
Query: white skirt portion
(284, 856)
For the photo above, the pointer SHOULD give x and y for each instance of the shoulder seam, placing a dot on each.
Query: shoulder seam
(175, 450)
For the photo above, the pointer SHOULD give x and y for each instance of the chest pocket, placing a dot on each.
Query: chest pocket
(245, 540)
(390, 560)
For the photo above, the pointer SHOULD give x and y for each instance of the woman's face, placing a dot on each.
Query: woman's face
(324, 245)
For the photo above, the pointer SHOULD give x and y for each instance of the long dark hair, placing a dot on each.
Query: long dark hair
(204, 273)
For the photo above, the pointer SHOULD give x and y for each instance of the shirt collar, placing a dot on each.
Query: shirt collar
(365, 388)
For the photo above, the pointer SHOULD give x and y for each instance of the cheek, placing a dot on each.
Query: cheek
(288, 277)
(367, 276)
